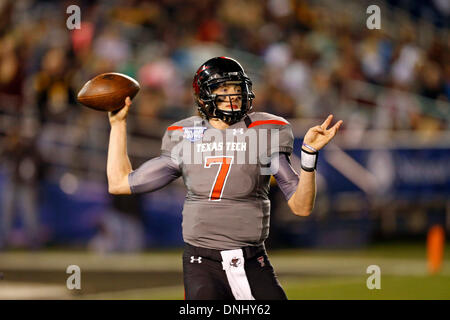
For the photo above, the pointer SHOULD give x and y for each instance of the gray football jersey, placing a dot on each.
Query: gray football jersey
(227, 174)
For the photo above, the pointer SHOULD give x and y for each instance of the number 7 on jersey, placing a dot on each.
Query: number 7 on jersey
(225, 163)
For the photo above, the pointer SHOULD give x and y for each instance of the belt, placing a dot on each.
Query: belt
(214, 254)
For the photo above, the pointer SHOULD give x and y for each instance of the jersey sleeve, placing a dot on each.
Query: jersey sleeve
(171, 145)
(284, 143)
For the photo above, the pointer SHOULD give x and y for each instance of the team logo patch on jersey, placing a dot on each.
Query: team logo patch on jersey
(193, 133)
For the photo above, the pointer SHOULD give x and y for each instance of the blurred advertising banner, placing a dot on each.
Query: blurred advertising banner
(410, 172)
(370, 194)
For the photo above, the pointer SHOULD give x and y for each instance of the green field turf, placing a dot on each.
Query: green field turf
(326, 288)
(354, 288)
(156, 274)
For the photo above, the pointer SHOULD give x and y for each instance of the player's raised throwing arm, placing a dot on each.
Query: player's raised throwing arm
(151, 176)
(302, 201)
(118, 165)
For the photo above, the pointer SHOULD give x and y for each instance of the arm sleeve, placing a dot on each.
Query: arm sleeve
(286, 177)
(153, 175)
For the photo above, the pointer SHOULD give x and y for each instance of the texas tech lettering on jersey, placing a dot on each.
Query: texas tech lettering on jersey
(219, 146)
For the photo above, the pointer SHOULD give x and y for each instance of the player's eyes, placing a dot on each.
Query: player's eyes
(226, 97)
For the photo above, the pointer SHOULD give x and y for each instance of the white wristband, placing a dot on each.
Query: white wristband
(309, 160)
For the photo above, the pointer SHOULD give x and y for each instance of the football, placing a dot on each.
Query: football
(107, 91)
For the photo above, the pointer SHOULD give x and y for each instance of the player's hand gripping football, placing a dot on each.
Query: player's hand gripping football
(318, 136)
(121, 114)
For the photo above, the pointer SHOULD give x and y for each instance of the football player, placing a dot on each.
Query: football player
(225, 156)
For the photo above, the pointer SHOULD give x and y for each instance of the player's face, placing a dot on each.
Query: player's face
(229, 97)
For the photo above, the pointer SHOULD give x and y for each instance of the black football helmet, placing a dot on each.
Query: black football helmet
(214, 73)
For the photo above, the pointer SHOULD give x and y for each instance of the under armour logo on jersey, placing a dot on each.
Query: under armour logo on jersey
(239, 130)
(235, 262)
(194, 259)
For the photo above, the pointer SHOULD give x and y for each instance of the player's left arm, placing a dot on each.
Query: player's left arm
(302, 201)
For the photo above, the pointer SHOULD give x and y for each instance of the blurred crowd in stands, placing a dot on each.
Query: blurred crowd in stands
(307, 59)
(301, 54)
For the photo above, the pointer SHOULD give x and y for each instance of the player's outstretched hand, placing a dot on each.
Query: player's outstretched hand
(318, 136)
(121, 114)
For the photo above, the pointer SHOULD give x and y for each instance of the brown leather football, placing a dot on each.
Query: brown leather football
(107, 91)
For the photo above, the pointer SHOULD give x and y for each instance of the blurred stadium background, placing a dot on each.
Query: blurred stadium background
(382, 184)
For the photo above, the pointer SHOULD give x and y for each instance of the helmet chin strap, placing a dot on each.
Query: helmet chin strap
(228, 119)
